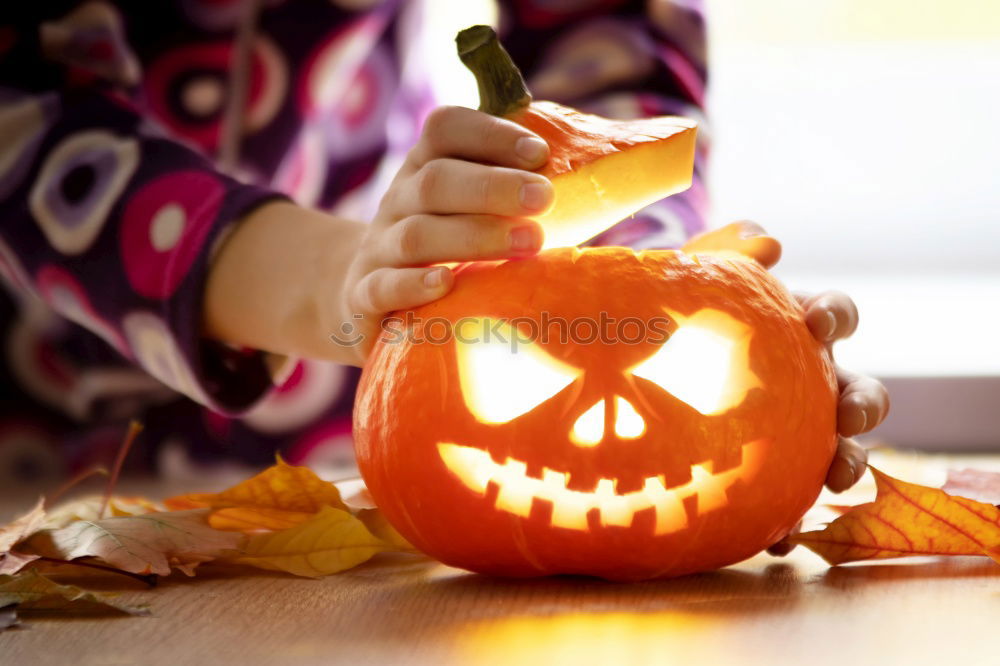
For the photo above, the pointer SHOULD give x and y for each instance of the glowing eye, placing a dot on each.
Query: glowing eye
(705, 363)
(503, 375)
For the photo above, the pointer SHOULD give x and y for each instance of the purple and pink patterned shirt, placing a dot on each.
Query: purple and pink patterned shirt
(133, 136)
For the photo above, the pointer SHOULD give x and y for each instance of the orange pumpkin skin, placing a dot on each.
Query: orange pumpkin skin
(760, 462)
(604, 170)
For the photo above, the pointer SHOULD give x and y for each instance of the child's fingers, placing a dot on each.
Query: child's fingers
(864, 403)
(427, 239)
(830, 315)
(387, 289)
(445, 186)
(847, 467)
(454, 131)
(782, 548)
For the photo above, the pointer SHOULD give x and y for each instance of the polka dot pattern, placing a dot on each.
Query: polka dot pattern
(25, 120)
(158, 352)
(593, 57)
(68, 297)
(188, 88)
(164, 227)
(12, 271)
(312, 388)
(357, 123)
(79, 182)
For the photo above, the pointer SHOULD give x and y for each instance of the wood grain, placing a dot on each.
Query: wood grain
(408, 610)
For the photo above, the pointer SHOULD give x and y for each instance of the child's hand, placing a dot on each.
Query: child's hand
(460, 196)
(831, 316)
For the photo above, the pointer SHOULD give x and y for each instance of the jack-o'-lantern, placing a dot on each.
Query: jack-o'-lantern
(598, 411)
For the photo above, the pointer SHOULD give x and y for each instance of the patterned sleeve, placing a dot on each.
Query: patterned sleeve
(624, 59)
(105, 219)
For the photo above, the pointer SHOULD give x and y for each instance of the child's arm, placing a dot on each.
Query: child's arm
(290, 278)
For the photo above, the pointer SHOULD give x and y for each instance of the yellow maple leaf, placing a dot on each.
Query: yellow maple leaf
(907, 519)
(333, 540)
(280, 497)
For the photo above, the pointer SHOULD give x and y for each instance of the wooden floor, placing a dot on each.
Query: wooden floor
(407, 610)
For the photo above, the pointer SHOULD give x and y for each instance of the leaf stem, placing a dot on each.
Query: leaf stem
(76, 480)
(134, 428)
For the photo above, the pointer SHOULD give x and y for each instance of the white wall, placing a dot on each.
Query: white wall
(865, 134)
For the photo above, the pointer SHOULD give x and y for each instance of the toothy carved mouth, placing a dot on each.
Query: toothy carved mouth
(516, 491)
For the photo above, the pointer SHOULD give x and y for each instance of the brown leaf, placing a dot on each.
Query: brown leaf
(147, 543)
(904, 520)
(975, 484)
(89, 508)
(8, 617)
(15, 532)
(330, 541)
(12, 562)
(33, 591)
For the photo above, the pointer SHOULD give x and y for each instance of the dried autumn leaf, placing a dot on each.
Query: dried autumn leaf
(379, 526)
(361, 504)
(147, 543)
(89, 508)
(8, 617)
(975, 484)
(33, 591)
(190, 501)
(15, 532)
(255, 519)
(904, 520)
(278, 498)
(333, 540)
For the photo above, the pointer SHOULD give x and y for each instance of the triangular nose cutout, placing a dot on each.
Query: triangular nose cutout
(589, 428)
(628, 423)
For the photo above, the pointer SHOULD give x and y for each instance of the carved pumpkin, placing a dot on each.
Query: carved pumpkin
(615, 457)
(597, 411)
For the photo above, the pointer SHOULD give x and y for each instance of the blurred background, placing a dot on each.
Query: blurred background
(863, 134)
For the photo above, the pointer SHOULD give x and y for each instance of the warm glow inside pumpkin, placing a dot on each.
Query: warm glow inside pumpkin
(504, 431)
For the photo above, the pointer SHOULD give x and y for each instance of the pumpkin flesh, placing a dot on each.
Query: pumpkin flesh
(604, 170)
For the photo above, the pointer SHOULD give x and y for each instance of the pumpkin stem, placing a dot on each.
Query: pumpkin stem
(502, 89)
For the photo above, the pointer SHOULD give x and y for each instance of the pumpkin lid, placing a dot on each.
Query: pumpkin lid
(603, 170)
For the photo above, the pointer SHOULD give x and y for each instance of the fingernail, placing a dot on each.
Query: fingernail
(864, 420)
(523, 239)
(831, 320)
(857, 470)
(531, 149)
(434, 278)
(535, 196)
